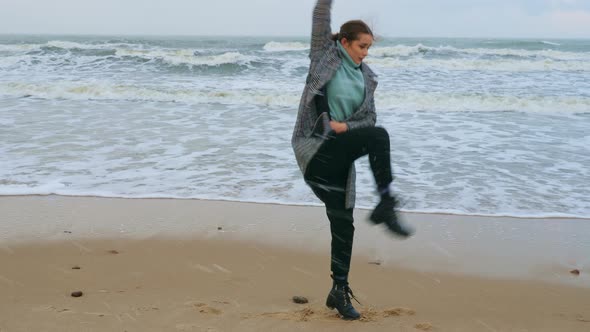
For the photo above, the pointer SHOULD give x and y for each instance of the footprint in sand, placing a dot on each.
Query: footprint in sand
(372, 314)
(206, 309)
(398, 312)
(309, 313)
(193, 327)
(301, 315)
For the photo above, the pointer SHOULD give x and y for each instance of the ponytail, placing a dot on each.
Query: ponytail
(351, 30)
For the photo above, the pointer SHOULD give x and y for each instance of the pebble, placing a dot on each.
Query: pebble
(77, 294)
(75, 268)
(300, 299)
(219, 228)
(114, 252)
(575, 272)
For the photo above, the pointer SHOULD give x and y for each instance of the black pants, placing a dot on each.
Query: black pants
(327, 175)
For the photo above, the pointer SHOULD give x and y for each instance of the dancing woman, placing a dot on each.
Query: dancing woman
(335, 126)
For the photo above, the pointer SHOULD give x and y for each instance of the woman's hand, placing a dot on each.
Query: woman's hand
(338, 127)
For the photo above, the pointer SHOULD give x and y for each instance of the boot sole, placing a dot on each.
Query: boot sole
(399, 232)
(332, 307)
(376, 219)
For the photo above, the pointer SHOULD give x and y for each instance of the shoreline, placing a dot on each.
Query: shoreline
(506, 248)
(420, 212)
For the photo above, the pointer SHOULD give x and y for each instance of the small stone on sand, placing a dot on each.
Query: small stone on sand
(75, 268)
(575, 272)
(219, 228)
(300, 299)
(114, 252)
(77, 294)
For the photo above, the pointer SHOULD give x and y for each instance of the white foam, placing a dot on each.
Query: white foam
(6, 122)
(111, 91)
(419, 49)
(187, 57)
(19, 48)
(398, 50)
(68, 45)
(53, 187)
(412, 101)
(171, 56)
(182, 151)
(476, 64)
(285, 46)
(281, 97)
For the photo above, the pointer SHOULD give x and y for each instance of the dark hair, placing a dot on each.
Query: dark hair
(351, 30)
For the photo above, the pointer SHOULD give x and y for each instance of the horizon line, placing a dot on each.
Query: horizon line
(276, 36)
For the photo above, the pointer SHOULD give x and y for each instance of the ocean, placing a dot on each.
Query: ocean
(478, 126)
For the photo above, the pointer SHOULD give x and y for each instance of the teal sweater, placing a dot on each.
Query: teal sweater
(346, 89)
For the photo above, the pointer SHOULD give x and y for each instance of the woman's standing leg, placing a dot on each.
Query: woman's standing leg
(327, 178)
(328, 181)
(342, 230)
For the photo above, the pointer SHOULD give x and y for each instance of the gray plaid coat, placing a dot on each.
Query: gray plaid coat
(311, 129)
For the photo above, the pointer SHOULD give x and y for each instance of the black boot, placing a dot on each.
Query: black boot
(385, 212)
(339, 299)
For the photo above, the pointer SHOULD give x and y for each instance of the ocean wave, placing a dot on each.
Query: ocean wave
(188, 57)
(172, 56)
(105, 58)
(385, 100)
(108, 91)
(68, 45)
(421, 50)
(416, 101)
(416, 56)
(480, 64)
(285, 46)
(63, 45)
(18, 48)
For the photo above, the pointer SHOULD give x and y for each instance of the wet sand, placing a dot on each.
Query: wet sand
(189, 265)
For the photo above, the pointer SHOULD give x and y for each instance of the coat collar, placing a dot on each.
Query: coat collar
(325, 68)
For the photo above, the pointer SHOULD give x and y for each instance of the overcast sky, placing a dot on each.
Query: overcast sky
(395, 18)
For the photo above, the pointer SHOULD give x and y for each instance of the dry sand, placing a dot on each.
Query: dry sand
(174, 265)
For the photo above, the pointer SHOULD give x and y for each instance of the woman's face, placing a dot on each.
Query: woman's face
(358, 49)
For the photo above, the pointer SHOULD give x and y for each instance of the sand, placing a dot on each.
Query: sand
(189, 265)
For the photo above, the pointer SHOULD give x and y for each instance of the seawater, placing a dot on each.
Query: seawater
(478, 126)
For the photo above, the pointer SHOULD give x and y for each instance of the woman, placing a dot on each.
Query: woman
(335, 126)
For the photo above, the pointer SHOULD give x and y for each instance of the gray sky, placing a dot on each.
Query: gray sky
(397, 18)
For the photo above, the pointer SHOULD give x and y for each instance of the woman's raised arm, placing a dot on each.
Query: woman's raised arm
(321, 31)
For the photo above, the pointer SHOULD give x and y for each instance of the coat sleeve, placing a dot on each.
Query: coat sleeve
(321, 31)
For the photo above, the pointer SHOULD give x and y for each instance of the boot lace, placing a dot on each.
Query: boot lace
(347, 294)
